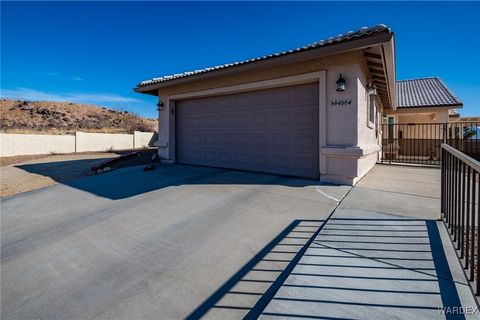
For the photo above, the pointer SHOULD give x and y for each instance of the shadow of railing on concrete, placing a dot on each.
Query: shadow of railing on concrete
(353, 270)
(249, 290)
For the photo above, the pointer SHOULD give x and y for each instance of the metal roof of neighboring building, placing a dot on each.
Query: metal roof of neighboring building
(425, 92)
(351, 35)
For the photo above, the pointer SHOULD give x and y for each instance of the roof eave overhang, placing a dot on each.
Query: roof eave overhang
(443, 106)
(427, 108)
(383, 38)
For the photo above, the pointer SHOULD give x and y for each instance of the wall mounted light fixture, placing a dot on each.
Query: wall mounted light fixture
(341, 83)
(372, 90)
(160, 106)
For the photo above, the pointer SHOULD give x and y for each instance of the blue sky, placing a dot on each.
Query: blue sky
(96, 52)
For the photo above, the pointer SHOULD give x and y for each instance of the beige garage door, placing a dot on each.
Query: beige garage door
(273, 131)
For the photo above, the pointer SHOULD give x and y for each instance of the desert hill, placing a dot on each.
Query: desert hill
(20, 116)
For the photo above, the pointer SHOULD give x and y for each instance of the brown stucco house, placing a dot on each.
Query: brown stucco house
(310, 112)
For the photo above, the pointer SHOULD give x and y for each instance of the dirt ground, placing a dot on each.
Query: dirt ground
(5, 161)
(25, 173)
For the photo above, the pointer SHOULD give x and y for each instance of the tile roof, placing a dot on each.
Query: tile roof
(351, 35)
(425, 92)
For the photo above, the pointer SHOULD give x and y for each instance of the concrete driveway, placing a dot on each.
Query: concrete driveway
(165, 244)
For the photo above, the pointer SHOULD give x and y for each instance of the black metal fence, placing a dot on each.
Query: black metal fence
(460, 206)
(420, 143)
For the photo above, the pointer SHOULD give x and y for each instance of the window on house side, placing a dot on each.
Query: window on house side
(371, 110)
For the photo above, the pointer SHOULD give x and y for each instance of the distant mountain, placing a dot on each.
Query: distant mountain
(19, 116)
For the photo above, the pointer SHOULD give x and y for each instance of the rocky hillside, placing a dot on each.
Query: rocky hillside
(18, 116)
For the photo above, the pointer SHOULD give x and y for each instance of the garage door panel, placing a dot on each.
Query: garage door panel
(221, 102)
(281, 143)
(259, 98)
(222, 121)
(283, 162)
(304, 117)
(283, 97)
(210, 156)
(305, 162)
(243, 159)
(195, 139)
(281, 118)
(305, 94)
(210, 139)
(261, 160)
(209, 122)
(260, 119)
(240, 120)
(274, 131)
(224, 158)
(241, 141)
(304, 142)
(258, 141)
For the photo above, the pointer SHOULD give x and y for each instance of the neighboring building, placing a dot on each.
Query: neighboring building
(425, 100)
(457, 118)
(310, 112)
(426, 116)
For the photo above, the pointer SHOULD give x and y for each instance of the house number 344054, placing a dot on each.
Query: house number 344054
(341, 102)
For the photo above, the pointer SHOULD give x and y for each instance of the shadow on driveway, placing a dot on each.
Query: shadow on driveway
(62, 171)
(132, 181)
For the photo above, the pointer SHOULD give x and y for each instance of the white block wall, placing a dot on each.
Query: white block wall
(26, 144)
(102, 141)
(143, 139)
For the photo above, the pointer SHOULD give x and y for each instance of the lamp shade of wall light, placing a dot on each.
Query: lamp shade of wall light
(341, 83)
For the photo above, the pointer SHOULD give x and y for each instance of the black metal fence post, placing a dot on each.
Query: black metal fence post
(460, 205)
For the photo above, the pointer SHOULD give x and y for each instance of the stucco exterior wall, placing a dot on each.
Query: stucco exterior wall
(369, 133)
(342, 119)
(352, 147)
(420, 115)
(344, 135)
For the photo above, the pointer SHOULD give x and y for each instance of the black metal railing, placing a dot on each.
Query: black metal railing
(420, 143)
(460, 206)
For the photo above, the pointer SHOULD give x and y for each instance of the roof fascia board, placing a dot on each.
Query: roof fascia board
(388, 51)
